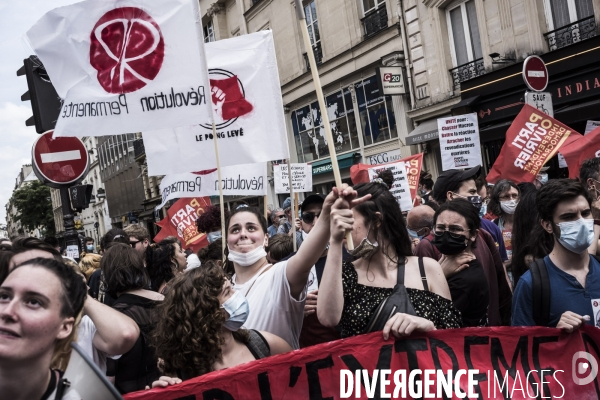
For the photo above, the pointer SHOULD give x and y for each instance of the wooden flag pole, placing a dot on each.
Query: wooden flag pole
(295, 215)
(222, 203)
(324, 115)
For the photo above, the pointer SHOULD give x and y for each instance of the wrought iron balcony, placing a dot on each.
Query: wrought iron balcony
(567, 35)
(138, 148)
(375, 21)
(318, 52)
(467, 71)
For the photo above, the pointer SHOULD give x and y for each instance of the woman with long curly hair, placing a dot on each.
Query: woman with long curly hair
(198, 329)
(164, 260)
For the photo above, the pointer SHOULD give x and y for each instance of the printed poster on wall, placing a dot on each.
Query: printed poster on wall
(400, 189)
(459, 141)
(531, 140)
(124, 66)
(301, 178)
(238, 180)
(246, 97)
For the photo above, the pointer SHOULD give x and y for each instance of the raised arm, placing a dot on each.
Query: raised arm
(116, 333)
(330, 301)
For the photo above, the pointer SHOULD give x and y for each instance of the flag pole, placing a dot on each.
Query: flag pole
(293, 210)
(321, 99)
(222, 203)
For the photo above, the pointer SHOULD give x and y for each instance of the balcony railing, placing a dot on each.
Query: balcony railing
(318, 52)
(375, 21)
(138, 148)
(567, 35)
(467, 71)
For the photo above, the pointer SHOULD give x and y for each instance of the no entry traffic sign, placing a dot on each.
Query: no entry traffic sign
(535, 73)
(59, 162)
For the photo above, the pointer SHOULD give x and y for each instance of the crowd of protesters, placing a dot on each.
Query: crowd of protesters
(469, 254)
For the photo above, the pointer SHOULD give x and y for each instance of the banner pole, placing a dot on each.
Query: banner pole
(320, 97)
(222, 203)
(293, 221)
(266, 209)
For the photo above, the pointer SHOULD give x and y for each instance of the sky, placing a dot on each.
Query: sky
(16, 139)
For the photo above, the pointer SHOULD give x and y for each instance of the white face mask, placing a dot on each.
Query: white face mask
(304, 235)
(247, 259)
(576, 236)
(509, 206)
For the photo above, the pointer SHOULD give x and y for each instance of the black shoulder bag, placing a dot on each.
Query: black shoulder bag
(397, 302)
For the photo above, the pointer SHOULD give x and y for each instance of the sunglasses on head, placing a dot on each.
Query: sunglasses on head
(309, 217)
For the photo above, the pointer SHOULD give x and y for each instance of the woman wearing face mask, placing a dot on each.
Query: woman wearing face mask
(276, 293)
(456, 228)
(41, 301)
(209, 222)
(199, 328)
(350, 293)
(164, 260)
(503, 203)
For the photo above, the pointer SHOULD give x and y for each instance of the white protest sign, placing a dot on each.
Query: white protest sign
(400, 189)
(301, 178)
(124, 65)
(459, 141)
(246, 95)
(590, 126)
(73, 251)
(562, 163)
(239, 180)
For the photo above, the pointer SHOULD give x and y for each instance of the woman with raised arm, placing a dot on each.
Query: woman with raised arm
(40, 304)
(276, 293)
(357, 296)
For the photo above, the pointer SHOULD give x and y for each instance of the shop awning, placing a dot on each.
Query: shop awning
(464, 106)
(425, 132)
(146, 214)
(324, 166)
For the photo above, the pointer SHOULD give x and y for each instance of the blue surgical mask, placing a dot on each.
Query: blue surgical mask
(576, 236)
(213, 236)
(483, 210)
(413, 234)
(90, 248)
(238, 310)
(542, 178)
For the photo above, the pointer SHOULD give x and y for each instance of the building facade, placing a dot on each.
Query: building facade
(467, 56)
(350, 40)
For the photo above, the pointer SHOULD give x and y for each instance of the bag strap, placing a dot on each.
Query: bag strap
(540, 292)
(401, 269)
(423, 275)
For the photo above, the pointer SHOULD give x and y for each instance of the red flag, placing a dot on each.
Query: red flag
(359, 173)
(532, 140)
(576, 152)
(181, 223)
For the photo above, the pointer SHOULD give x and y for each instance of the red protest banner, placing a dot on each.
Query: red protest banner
(181, 223)
(532, 139)
(511, 362)
(359, 173)
(576, 152)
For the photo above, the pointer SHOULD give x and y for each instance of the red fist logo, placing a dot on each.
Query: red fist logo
(127, 49)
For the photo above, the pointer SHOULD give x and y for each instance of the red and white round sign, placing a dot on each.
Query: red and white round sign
(535, 73)
(59, 162)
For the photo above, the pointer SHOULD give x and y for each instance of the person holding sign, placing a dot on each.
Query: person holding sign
(40, 301)
(349, 292)
(188, 348)
(277, 293)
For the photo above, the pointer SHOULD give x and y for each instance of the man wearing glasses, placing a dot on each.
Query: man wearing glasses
(139, 238)
(276, 216)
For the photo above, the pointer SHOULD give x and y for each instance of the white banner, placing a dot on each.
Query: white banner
(400, 189)
(590, 126)
(459, 141)
(239, 180)
(246, 95)
(301, 178)
(124, 66)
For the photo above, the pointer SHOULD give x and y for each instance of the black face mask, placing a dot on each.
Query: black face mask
(449, 245)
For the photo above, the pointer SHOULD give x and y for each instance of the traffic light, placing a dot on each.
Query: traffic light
(80, 196)
(45, 102)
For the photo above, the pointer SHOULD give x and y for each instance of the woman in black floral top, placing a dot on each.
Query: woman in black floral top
(381, 239)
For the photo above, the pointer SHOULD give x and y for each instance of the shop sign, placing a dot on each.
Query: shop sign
(391, 80)
(384, 157)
